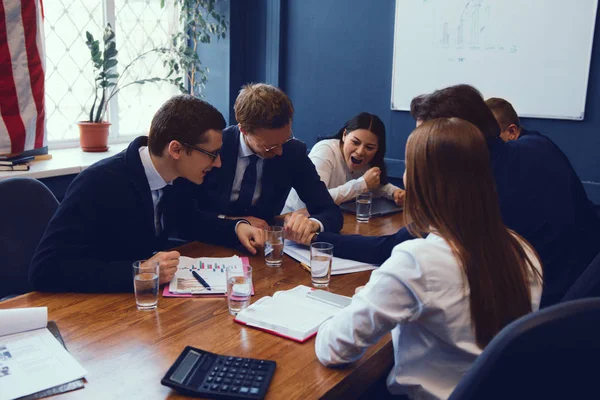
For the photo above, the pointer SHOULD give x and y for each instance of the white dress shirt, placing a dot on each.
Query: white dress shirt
(343, 183)
(156, 182)
(418, 294)
(243, 160)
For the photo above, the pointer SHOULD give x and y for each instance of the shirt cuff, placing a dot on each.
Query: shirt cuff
(241, 221)
(321, 227)
(362, 184)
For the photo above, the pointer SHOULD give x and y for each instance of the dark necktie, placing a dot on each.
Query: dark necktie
(161, 208)
(244, 200)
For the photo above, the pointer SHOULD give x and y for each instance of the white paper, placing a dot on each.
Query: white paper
(215, 276)
(33, 361)
(289, 312)
(22, 319)
(339, 266)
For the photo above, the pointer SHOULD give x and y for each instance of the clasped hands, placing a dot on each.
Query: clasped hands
(297, 227)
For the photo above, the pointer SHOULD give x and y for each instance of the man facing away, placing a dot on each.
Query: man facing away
(125, 208)
(262, 161)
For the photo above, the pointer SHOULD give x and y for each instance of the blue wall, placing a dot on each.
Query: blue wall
(335, 60)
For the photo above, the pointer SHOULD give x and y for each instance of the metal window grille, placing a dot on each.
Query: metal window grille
(139, 25)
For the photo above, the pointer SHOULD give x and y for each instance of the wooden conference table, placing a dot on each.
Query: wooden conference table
(127, 352)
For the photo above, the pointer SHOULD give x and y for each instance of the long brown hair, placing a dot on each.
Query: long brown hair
(450, 190)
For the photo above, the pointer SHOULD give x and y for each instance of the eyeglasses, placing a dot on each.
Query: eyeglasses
(213, 156)
(269, 149)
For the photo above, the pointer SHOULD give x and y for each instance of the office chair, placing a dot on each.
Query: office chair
(26, 206)
(549, 354)
(588, 283)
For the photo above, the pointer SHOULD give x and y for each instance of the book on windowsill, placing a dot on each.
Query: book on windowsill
(16, 160)
(290, 314)
(18, 167)
(34, 362)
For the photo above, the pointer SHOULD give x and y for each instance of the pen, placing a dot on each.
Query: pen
(202, 281)
(305, 267)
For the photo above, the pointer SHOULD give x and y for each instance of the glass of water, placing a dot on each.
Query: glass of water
(321, 256)
(239, 288)
(274, 246)
(363, 206)
(145, 284)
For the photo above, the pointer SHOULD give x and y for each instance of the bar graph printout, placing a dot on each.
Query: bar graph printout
(212, 270)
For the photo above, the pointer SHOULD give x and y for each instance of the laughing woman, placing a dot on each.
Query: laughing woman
(351, 162)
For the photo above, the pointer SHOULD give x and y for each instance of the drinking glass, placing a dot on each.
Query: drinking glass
(145, 284)
(363, 206)
(239, 288)
(321, 256)
(274, 246)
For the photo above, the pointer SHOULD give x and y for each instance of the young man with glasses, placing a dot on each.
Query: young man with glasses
(125, 208)
(261, 163)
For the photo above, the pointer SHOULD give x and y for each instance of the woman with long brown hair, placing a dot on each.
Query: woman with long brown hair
(444, 297)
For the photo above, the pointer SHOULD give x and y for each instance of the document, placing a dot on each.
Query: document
(339, 266)
(290, 314)
(31, 359)
(211, 270)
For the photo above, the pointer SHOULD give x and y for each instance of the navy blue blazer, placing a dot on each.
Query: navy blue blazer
(541, 198)
(106, 222)
(292, 169)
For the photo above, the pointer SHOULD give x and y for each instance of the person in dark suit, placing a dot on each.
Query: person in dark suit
(125, 208)
(541, 197)
(510, 125)
(262, 161)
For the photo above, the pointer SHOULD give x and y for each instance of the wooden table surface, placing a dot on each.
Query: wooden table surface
(127, 352)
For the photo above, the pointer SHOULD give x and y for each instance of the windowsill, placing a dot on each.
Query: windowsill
(64, 162)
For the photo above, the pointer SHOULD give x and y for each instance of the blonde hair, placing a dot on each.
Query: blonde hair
(262, 106)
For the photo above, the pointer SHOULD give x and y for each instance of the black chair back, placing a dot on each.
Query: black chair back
(549, 354)
(26, 206)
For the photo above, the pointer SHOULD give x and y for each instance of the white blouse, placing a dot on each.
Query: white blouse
(419, 295)
(343, 184)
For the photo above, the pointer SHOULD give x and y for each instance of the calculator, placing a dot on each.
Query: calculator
(203, 374)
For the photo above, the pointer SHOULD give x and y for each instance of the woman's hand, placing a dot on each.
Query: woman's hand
(399, 197)
(372, 178)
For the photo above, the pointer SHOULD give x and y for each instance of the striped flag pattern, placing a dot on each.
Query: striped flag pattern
(22, 67)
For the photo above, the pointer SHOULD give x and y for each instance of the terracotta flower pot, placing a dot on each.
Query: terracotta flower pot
(93, 136)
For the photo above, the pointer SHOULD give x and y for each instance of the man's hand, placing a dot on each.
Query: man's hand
(372, 178)
(257, 222)
(299, 228)
(399, 197)
(250, 236)
(167, 265)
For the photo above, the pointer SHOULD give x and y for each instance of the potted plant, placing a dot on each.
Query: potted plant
(93, 133)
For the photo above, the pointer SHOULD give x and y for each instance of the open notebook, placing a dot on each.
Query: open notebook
(339, 266)
(31, 358)
(212, 270)
(290, 314)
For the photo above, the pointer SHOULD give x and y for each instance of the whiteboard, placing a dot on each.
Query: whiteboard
(534, 53)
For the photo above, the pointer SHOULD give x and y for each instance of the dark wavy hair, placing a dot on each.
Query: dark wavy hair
(372, 123)
(460, 101)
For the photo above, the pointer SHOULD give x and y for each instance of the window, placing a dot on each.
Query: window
(139, 25)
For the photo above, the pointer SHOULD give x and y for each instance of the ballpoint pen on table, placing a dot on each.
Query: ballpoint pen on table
(202, 281)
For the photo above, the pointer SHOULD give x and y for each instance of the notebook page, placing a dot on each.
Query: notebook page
(22, 319)
(289, 312)
(339, 265)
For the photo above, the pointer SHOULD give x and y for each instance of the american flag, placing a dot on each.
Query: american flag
(22, 67)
